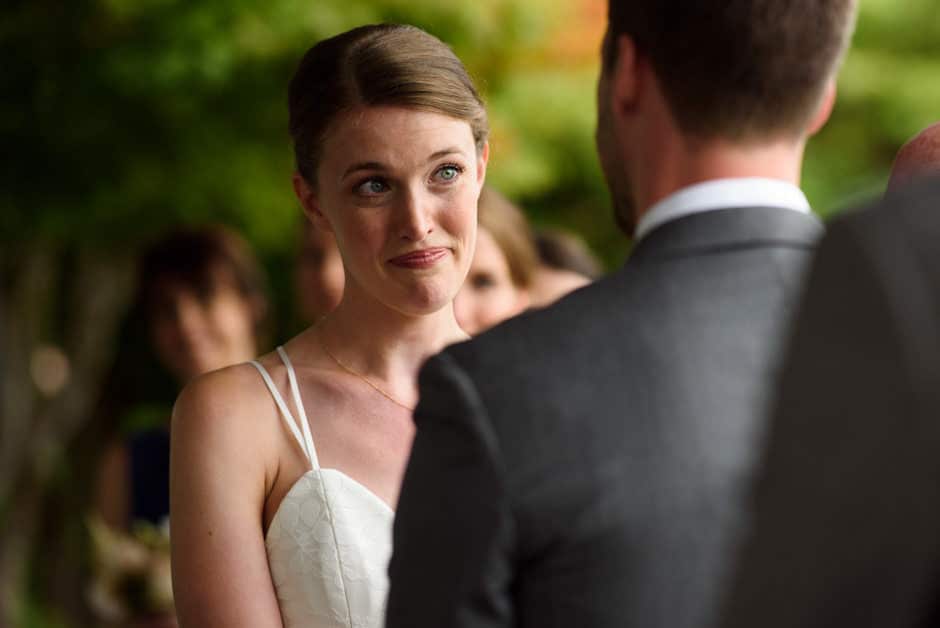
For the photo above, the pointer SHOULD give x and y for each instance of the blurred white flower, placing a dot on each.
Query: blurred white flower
(131, 571)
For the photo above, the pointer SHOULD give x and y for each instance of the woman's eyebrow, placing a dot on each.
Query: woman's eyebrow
(375, 165)
(452, 150)
(365, 165)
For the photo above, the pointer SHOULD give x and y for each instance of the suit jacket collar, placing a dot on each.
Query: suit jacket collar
(722, 229)
(722, 194)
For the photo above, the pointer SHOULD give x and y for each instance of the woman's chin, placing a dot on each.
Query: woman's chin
(424, 299)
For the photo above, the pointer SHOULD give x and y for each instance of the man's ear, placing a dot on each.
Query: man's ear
(824, 109)
(625, 83)
(310, 202)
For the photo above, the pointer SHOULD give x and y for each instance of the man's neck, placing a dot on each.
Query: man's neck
(687, 164)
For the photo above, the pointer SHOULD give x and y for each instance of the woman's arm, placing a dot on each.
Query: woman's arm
(218, 471)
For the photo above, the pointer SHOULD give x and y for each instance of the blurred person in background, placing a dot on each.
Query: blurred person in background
(918, 158)
(318, 275)
(565, 264)
(854, 440)
(845, 513)
(503, 268)
(202, 295)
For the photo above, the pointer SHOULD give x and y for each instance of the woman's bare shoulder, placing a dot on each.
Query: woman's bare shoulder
(232, 400)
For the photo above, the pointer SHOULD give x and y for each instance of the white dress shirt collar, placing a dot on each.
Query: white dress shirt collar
(722, 194)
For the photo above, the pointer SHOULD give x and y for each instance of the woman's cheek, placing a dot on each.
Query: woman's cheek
(366, 238)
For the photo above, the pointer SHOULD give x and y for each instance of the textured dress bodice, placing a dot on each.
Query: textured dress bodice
(330, 540)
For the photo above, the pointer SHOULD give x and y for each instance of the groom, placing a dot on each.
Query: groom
(584, 465)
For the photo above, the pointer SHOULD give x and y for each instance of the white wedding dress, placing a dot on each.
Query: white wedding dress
(329, 541)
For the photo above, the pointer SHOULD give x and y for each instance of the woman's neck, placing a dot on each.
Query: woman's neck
(381, 343)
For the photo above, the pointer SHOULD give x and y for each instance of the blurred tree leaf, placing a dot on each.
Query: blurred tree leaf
(122, 117)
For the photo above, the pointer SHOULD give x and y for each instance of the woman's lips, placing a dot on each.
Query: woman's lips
(424, 258)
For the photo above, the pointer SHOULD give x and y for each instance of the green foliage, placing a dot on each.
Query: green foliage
(888, 91)
(34, 614)
(122, 117)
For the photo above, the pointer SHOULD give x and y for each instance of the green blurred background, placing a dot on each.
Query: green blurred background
(121, 118)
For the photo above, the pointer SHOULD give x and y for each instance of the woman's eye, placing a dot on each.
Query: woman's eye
(482, 281)
(371, 187)
(449, 172)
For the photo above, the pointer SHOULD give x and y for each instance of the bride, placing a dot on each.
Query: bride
(285, 472)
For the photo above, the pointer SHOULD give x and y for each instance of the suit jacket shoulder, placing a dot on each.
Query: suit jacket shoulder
(602, 443)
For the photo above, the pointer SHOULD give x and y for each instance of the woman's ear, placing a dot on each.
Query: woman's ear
(258, 306)
(307, 196)
(482, 160)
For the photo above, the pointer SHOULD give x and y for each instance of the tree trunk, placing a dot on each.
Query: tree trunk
(91, 296)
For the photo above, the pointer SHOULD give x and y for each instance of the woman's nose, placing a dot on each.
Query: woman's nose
(189, 319)
(416, 221)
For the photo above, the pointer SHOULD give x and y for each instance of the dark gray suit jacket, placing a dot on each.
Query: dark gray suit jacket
(582, 466)
(847, 525)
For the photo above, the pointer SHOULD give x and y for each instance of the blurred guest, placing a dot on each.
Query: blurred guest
(565, 264)
(318, 276)
(202, 295)
(846, 525)
(503, 267)
(919, 157)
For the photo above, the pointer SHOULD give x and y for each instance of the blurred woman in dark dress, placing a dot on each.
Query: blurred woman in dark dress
(202, 298)
(202, 293)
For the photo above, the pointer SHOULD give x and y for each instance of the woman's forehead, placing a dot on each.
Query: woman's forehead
(395, 136)
(199, 282)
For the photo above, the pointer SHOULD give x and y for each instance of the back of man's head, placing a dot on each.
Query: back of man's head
(737, 69)
(919, 157)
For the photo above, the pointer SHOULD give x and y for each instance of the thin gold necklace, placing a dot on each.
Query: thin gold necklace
(377, 388)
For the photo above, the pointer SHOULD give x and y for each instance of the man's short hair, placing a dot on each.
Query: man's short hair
(740, 69)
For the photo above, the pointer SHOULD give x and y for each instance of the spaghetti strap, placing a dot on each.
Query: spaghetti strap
(282, 407)
(299, 404)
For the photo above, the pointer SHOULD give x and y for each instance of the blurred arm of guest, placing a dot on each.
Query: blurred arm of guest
(565, 264)
(202, 294)
(319, 278)
(498, 284)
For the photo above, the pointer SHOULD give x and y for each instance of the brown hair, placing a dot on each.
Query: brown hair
(199, 258)
(384, 64)
(512, 233)
(563, 250)
(742, 69)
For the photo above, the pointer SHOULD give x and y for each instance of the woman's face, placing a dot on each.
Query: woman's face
(398, 188)
(488, 296)
(196, 333)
